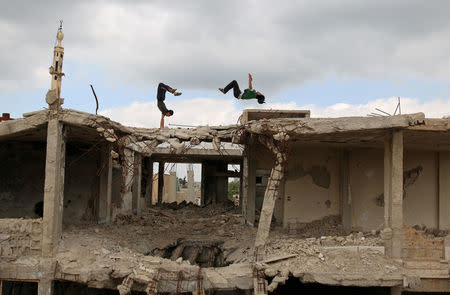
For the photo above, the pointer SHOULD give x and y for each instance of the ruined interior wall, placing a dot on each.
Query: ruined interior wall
(22, 176)
(312, 184)
(366, 188)
(81, 185)
(20, 237)
(420, 202)
(264, 162)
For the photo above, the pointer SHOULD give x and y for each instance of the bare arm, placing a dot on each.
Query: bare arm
(161, 125)
(250, 79)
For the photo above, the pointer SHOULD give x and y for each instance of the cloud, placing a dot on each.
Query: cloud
(201, 44)
(208, 111)
(193, 112)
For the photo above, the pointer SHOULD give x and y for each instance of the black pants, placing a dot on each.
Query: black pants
(161, 96)
(162, 88)
(236, 91)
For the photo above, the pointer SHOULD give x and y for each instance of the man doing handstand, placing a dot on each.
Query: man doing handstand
(248, 93)
(161, 96)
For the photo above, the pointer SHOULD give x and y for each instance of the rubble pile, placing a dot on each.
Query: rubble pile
(327, 226)
(160, 227)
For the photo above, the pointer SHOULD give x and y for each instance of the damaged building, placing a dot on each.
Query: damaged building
(344, 205)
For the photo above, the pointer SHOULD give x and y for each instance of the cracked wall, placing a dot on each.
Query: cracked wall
(366, 188)
(420, 203)
(312, 184)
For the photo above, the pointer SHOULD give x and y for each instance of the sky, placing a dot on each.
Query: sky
(335, 58)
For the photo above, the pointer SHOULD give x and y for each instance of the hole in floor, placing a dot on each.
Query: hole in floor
(202, 252)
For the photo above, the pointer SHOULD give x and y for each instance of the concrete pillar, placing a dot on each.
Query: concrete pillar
(241, 188)
(54, 187)
(172, 187)
(160, 182)
(203, 184)
(444, 190)
(344, 171)
(190, 186)
(105, 192)
(136, 189)
(128, 176)
(149, 186)
(45, 287)
(393, 193)
(250, 187)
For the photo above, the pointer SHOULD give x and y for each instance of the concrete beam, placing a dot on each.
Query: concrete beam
(305, 126)
(54, 187)
(104, 206)
(444, 190)
(393, 176)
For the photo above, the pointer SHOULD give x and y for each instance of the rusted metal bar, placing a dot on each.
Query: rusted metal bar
(96, 100)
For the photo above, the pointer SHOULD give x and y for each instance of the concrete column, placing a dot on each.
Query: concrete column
(190, 186)
(244, 185)
(45, 287)
(149, 187)
(203, 184)
(444, 190)
(104, 205)
(128, 176)
(160, 182)
(136, 189)
(393, 193)
(241, 188)
(344, 171)
(54, 187)
(251, 188)
(172, 188)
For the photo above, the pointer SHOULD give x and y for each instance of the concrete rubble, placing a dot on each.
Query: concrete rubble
(144, 252)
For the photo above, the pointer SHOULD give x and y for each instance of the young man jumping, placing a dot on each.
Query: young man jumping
(248, 93)
(161, 96)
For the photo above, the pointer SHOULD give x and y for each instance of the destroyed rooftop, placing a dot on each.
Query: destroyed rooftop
(82, 127)
(329, 256)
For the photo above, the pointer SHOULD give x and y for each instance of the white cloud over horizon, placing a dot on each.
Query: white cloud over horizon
(212, 111)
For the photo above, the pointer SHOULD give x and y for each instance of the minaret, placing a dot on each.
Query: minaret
(54, 95)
